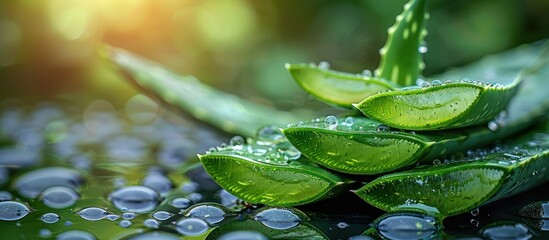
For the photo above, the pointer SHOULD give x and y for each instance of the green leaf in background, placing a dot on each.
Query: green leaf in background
(459, 186)
(359, 145)
(184, 92)
(336, 88)
(271, 173)
(401, 56)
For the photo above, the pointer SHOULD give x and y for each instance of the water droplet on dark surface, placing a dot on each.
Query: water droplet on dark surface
(50, 218)
(507, 231)
(32, 183)
(208, 213)
(278, 218)
(135, 199)
(191, 226)
(12, 210)
(59, 197)
(93, 213)
(406, 226)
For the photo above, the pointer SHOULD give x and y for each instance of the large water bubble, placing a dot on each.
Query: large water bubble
(135, 199)
(59, 197)
(12, 210)
(191, 226)
(278, 218)
(32, 183)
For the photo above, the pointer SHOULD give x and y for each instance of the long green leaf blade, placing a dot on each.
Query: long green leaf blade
(401, 61)
(184, 92)
(364, 146)
(460, 186)
(336, 88)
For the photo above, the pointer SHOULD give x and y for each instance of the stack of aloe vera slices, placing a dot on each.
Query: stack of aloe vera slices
(407, 122)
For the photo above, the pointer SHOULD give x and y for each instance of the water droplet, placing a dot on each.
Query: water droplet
(162, 215)
(493, 126)
(93, 213)
(151, 223)
(448, 81)
(425, 84)
(366, 73)
(32, 183)
(50, 218)
(237, 142)
(68, 223)
(278, 218)
(436, 82)
(191, 226)
(342, 225)
(154, 236)
(125, 223)
(243, 235)
(181, 203)
(382, 128)
(44, 233)
(268, 135)
(128, 215)
(349, 121)
(330, 122)
(324, 65)
(5, 196)
(59, 197)
(474, 222)
(290, 153)
(507, 231)
(423, 47)
(112, 217)
(406, 226)
(195, 197)
(436, 161)
(158, 181)
(12, 210)
(135, 199)
(189, 187)
(534, 173)
(475, 212)
(75, 234)
(208, 213)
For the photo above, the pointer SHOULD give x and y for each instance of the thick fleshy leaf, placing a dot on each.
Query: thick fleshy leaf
(185, 92)
(458, 186)
(454, 104)
(336, 88)
(264, 174)
(358, 145)
(401, 61)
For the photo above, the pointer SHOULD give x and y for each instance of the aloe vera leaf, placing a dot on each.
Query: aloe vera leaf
(452, 105)
(401, 61)
(459, 186)
(262, 174)
(225, 111)
(336, 88)
(358, 147)
(251, 227)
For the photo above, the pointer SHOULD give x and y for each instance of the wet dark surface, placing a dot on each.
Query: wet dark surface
(98, 172)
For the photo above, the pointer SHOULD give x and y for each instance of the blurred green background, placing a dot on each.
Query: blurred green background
(49, 48)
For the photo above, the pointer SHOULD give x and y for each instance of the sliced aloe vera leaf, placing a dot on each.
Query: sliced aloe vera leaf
(184, 92)
(250, 229)
(459, 186)
(357, 147)
(262, 174)
(401, 61)
(336, 88)
(456, 104)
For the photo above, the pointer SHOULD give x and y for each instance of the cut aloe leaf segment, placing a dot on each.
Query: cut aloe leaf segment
(337, 88)
(270, 174)
(359, 145)
(455, 104)
(401, 60)
(459, 186)
(225, 111)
